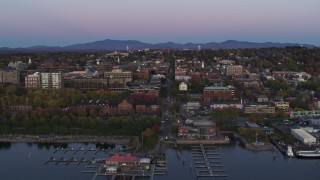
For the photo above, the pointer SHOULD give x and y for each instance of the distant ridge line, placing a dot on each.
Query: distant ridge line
(121, 45)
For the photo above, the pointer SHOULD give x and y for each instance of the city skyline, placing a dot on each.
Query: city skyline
(61, 23)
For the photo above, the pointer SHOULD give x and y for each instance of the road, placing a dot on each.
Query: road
(165, 124)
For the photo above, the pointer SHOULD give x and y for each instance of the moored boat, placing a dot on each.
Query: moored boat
(309, 154)
(289, 152)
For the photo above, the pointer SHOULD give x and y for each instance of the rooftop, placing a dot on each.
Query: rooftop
(8, 68)
(126, 158)
(216, 88)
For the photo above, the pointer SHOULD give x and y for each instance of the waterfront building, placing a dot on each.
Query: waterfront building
(198, 128)
(127, 162)
(303, 136)
(119, 159)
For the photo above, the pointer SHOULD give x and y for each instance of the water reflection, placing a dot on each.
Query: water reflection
(238, 163)
(5, 145)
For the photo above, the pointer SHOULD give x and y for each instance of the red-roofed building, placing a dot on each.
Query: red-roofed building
(118, 159)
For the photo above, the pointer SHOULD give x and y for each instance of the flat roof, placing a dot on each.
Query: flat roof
(303, 133)
(216, 88)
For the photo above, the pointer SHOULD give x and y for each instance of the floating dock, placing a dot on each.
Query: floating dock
(80, 149)
(68, 161)
(206, 167)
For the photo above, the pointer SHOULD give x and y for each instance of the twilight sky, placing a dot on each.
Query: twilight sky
(64, 22)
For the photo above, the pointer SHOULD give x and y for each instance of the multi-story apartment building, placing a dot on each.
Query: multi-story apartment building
(282, 105)
(234, 70)
(89, 84)
(218, 93)
(259, 109)
(52, 80)
(9, 75)
(145, 90)
(118, 78)
(33, 80)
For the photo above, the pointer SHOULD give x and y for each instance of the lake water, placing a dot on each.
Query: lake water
(26, 161)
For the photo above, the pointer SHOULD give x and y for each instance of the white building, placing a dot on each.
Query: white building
(225, 105)
(51, 80)
(183, 86)
(303, 136)
(182, 78)
(192, 105)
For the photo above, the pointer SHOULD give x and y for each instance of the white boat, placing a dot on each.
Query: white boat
(289, 152)
(309, 154)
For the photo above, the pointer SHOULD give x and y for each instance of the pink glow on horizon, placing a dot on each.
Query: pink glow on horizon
(179, 20)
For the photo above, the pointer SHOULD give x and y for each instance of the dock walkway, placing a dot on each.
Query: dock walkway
(205, 166)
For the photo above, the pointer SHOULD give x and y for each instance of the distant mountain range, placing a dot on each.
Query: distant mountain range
(112, 45)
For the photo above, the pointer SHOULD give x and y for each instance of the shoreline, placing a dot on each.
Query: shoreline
(65, 139)
(267, 146)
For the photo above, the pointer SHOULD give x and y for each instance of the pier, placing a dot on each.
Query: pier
(80, 149)
(158, 166)
(206, 167)
(68, 161)
(99, 167)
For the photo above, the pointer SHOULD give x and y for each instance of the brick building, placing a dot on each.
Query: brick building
(89, 84)
(234, 70)
(118, 78)
(9, 75)
(218, 93)
(33, 80)
(145, 90)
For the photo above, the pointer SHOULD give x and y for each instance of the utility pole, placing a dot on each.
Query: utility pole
(142, 139)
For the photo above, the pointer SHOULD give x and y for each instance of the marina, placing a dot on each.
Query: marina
(80, 149)
(206, 167)
(145, 168)
(68, 161)
(237, 163)
(114, 164)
